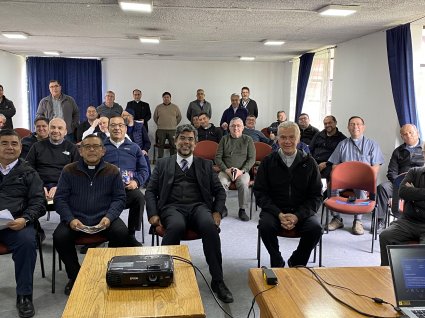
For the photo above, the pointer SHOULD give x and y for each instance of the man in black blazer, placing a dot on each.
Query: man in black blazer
(246, 102)
(184, 192)
(142, 111)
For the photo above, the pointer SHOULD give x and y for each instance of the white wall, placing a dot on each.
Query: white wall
(13, 79)
(362, 87)
(183, 78)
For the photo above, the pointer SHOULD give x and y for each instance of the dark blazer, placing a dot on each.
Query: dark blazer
(162, 179)
(252, 107)
(142, 110)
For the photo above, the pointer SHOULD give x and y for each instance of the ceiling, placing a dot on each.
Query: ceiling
(194, 29)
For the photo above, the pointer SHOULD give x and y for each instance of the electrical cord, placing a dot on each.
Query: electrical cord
(253, 300)
(322, 282)
(184, 260)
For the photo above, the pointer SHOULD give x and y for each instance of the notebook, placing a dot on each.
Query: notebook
(407, 264)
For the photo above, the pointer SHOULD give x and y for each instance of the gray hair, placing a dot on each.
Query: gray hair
(235, 119)
(290, 124)
(186, 128)
(4, 117)
(234, 94)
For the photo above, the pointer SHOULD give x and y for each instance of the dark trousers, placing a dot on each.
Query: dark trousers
(401, 231)
(148, 163)
(64, 239)
(162, 135)
(309, 229)
(136, 205)
(384, 193)
(23, 246)
(176, 219)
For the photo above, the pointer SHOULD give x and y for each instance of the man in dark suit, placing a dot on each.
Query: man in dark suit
(184, 192)
(142, 111)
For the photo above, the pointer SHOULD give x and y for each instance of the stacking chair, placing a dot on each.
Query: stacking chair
(159, 230)
(289, 234)
(4, 249)
(265, 131)
(83, 239)
(395, 204)
(353, 175)
(261, 151)
(23, 132)
(156, 145)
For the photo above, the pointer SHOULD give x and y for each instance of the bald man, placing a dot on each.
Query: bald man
(49, 156)
(406, 156)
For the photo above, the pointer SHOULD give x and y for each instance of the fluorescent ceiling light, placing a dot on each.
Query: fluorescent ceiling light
(149, 40)
(15, 35)
(136, 6)
(54, 53)
(273, 43)
(247, 58)
(337, 10)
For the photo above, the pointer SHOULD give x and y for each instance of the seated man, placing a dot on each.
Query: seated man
(41, 132)
(128, 157)
(307, 131)
(91, 115)
(90, 192)
(207, 130)
(21, 192)
(235, 157)
(99, 127)
(411, 225)
(281, 117)
(194, 199)
(288, 191)
(137, 132)
(195, 121)
(404, 157)
(49, 156)
(255, 134)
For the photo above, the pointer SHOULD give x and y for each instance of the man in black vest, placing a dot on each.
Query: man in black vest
(184, 192)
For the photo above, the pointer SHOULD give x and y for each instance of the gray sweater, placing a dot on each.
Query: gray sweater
(235, 152)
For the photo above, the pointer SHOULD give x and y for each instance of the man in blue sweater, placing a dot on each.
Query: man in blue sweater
(128, 157)
(89, 193)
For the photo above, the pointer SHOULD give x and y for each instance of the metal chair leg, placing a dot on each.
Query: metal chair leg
(258, 249)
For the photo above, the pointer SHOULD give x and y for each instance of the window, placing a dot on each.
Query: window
(419, 70)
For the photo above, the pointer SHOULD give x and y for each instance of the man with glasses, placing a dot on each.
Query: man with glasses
(90, 193)
(235, 157)
(109, 108)
(356, 148)
(307, 131)
(194, 198)
(128, 157)
(59, 105)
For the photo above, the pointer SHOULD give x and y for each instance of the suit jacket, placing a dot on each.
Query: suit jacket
(162, 180)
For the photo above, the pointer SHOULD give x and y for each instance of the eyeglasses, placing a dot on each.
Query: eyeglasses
(236, 126)
(117, 125)
(89, 147)
(183, 138)
(53, 86)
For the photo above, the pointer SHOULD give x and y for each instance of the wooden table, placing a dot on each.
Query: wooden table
(298, 294)
(91, 297)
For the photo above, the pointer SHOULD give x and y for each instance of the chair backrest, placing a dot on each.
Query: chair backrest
(265, 131)
(23, 132)
(354, 175)
(396, 205)
(261, 150)
(206, 149)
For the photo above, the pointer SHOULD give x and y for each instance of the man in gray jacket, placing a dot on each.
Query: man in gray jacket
(59, 105)
(199, 105)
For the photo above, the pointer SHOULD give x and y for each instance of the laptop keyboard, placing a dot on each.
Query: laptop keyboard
(419, 313)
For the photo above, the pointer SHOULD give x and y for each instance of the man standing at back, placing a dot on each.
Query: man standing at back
(356, 148)
(128, 157)
(166, 116)
(59, 105)
(109, 108)
(199, 105)
(249, 104)
(234, 110)
(185, 193)
(142, 111)
(50, 155)
(235, 157)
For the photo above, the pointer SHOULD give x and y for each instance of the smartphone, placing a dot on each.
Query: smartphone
(351, 199)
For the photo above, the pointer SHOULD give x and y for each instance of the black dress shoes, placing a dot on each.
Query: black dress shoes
(223, 293)
(68, 287)
(133, 242)
(243, 216)
(224, 213)
(25, 306)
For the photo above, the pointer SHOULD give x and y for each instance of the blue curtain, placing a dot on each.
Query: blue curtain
(80, 78)
(400, 62)
(306, 60)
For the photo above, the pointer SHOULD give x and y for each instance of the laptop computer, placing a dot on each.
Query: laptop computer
(407, 264)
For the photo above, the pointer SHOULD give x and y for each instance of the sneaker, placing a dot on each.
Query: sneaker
(335, 223)
(242, 215)
(357, 227)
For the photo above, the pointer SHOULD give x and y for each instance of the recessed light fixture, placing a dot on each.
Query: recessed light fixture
(247, 58)
(53, 53)
(15, 35)
(337, 10)
(273, 42)
(149, 40)
(136, 6)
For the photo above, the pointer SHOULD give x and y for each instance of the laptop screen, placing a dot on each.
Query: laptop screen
(407, 264)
